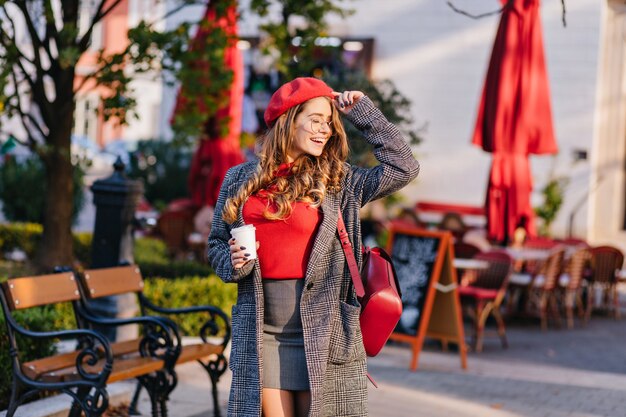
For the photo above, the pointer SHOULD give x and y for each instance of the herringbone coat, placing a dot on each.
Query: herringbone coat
(330, 313)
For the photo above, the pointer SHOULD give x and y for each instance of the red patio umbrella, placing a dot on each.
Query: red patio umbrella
(514, 117)
(216, 153)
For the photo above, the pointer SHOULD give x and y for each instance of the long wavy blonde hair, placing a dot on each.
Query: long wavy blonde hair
(312, 177)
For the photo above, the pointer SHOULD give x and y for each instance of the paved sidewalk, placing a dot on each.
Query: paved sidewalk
(579, 372)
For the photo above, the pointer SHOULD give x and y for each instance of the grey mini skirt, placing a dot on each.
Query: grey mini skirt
(284, 363)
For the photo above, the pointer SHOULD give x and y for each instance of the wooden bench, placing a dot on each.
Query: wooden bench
(214, 334)
(84, 373)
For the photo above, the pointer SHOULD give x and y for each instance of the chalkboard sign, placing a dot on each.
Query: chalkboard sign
(414, 258)
(423, 260)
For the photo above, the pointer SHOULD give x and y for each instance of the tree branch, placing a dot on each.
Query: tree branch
(508, 4)
(24, 117)
(32, 31)
(51, 28)
(83, 43)
(12, 39)
(179, 8)
(480, 16)
(95, 73)
(37, 85)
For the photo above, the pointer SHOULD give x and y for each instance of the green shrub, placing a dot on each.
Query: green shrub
(24, 236)
(82, 247)
(174, 269)
(23, 185)
(164, 169)
(150, 250)
(152, 257)
(190, 291)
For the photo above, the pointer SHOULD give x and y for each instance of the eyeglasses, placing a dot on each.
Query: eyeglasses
(317, 124)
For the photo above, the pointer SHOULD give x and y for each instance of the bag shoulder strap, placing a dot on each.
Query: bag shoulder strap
(350, 259)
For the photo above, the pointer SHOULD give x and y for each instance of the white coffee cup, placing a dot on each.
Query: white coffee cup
(245, 236)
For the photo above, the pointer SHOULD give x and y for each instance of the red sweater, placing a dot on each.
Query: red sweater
(284, 245)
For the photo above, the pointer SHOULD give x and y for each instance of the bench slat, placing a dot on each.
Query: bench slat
(188, 353)
(198, 351)
(112, 281)
(40, 290)
(34, 369)
(122, 369)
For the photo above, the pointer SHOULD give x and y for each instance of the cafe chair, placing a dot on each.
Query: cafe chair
(463, 250)
(453, 222)
(572, 281)
(484, 295)
(607, 260)
(543, 289)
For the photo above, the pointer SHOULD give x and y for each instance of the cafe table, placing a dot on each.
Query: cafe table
(527, 254)
(460, 263)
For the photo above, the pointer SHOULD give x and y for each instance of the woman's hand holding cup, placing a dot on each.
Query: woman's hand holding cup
(243, 246)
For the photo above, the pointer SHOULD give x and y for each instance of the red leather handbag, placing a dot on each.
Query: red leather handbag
(378, 291)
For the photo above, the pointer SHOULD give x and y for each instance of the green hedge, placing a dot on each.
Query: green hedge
(26, 236)
(150, 253)
(190, 291)
(23, 185)
(151, 256)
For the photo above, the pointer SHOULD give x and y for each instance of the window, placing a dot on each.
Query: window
(86, 116)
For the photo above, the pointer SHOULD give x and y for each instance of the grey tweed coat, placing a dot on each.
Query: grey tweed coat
(330, 313)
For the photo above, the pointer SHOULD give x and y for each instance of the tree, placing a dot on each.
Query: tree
(39, 84)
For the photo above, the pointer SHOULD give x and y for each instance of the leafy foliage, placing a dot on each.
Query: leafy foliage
(190, 291)
(163, 168)
(395, 106)
(553, 200)
(22, 189)
(152, 257)
(295, 49)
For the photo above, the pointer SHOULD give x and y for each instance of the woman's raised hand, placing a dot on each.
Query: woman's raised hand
(347, 100)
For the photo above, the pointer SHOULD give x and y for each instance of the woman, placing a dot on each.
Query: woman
(296, 347)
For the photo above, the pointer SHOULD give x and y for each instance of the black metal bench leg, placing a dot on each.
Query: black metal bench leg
(13, 401)
(158, 387)
(132, 409)
(78, 406)
(215, 369)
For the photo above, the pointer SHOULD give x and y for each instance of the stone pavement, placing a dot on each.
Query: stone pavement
(579, 372)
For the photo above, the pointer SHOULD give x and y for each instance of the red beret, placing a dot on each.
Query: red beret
(293, 93)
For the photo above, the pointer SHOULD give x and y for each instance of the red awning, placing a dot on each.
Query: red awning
(514, 118)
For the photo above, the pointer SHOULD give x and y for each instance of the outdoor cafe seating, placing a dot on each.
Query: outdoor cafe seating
(576, 294)
(484, 293)
(607, 261)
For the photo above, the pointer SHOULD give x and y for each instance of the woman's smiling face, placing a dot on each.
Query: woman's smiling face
(313, 129)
